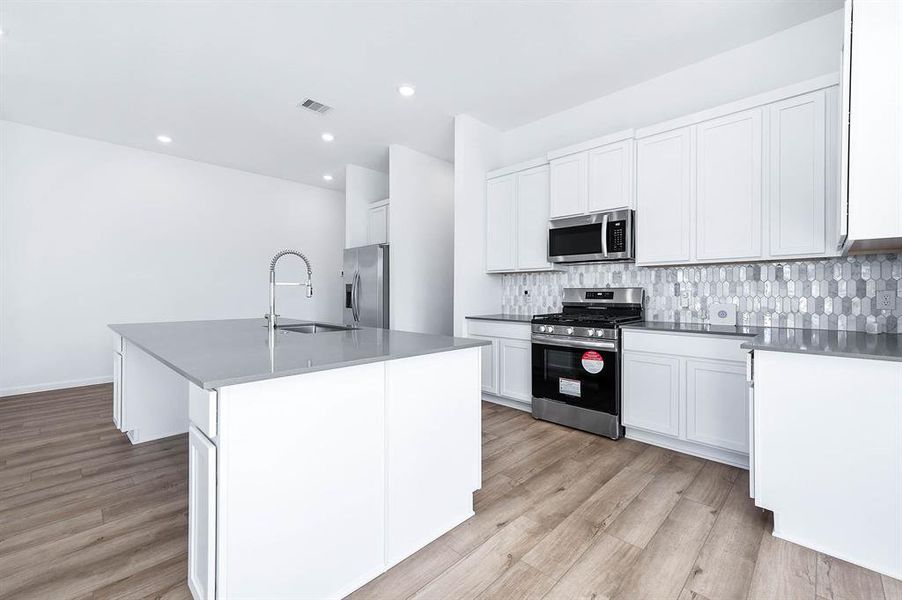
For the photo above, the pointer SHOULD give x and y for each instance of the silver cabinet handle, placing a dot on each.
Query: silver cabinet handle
(604, 235)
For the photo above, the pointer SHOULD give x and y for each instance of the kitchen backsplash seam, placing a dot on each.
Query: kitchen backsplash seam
(836, 293)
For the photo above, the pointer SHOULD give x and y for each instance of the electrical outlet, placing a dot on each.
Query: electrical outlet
(886, 300)
(684, 300)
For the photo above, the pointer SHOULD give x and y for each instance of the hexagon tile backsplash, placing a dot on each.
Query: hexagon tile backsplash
(835, 293)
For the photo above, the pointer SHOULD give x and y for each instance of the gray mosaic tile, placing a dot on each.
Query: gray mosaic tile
(821, 294)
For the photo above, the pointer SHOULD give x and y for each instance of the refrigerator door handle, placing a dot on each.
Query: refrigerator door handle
(355, 297)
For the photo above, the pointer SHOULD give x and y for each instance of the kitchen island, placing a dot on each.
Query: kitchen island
(318, 457)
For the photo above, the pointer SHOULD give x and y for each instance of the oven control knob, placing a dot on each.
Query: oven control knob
(550, 329)
(601, 333)
(542, 328)
(591, 332)
(569, 331)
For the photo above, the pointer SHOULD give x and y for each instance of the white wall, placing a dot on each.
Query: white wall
(92, 233)
(362, 187)
(477, 149)
(421, 269)
(792, 55)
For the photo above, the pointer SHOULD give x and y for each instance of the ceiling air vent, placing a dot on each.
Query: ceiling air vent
(317, 107)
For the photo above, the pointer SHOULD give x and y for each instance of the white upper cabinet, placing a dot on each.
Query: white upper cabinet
(872, 93)
(532, 219)
(663, 191)
(728, 187)
(796, 198)
(611, 176)
(516, 234)
(569, 185)
(501, 224)
(377, 223)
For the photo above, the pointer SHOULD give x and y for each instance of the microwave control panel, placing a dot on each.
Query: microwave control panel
(617, 236)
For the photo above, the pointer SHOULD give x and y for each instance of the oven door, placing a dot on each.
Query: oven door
(602, 236)
(583, 374)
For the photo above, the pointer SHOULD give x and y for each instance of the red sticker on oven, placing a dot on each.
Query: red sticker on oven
(593, 361)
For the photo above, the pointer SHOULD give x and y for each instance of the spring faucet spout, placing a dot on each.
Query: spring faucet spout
(271, 316)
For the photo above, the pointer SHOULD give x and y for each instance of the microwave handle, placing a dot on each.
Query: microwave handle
(604, 235)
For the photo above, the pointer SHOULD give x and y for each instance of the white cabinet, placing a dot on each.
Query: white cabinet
(687, 392)
(377, 223)
(651, 392)
(501, 224)
(489, 364)
(872, 94)
(201, 515)
(507, 363)
(532, 219)
(797, 155)
(728, 187)
(117, 391)
(593, 176)
(716, 404)
(569, 185)
(663, 193)
(516, 234)
(611, 176)
(516, 369)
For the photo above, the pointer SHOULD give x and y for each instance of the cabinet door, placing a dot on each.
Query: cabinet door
(651, 392)
(516, 369)
(569, 185)
(728, 194)
(532, 219)
(501, 224)
(117, 390)
(489, 365)
(797, 195)
(664, 172)
(377, 225)
(611, 176)
(717, 404)
(201, 515)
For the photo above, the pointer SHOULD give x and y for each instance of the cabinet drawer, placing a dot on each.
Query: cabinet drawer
(202, 409)
(499, 329)
(686, 345)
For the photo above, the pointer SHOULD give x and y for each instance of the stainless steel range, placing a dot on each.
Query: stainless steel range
(576, 358)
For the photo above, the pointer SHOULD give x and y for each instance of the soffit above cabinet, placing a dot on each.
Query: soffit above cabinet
(520, 166)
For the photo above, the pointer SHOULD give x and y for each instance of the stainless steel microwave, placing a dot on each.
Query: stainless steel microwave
(591, 238)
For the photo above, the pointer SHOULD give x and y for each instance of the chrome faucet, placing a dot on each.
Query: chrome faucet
(271, 316)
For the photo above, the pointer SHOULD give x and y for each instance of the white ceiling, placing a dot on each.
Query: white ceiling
(224, 78)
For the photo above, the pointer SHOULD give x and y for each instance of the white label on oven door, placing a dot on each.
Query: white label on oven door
(569, 387)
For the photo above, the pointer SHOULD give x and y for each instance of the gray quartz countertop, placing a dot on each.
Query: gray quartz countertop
(850, 344)
(214, 354)
(499, 317)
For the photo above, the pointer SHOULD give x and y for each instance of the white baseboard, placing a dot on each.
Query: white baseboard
(701, 450)
(55, 385)
(524, 406)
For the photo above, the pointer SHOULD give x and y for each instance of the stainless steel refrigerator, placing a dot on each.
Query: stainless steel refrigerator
(366, 286)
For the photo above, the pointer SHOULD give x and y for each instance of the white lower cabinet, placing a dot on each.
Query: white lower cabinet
(507, 363)
(489, 365)
(201, 515)
(688, 393)
(516, 369)
(716, 405)
(651, 392)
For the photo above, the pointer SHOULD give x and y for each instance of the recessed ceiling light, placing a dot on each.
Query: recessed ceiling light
(164, 139)
(327, 137)
(327, 177)
(407, 90)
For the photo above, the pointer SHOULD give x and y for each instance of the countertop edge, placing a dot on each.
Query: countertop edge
(753, 344)
(465, 344)
(499, 318)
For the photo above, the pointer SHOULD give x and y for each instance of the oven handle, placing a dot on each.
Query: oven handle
(604, 235)
(567, 343)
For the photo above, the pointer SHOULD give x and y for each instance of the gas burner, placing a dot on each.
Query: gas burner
(592, 313)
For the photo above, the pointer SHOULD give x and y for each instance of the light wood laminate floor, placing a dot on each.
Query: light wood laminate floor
(562, 514)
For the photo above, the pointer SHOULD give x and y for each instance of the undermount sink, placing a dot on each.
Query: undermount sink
(314, 328)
